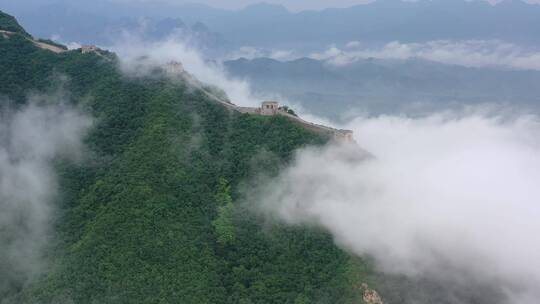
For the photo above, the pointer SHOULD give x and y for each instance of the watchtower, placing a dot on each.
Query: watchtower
(174, 67)
(89, 49)
(343, 136)
(269, 108)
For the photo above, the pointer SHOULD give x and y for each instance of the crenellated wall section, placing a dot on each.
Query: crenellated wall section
(271, 108)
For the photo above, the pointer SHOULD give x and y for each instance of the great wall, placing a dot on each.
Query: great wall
(267, 108)
(271, 108)
(51, 47)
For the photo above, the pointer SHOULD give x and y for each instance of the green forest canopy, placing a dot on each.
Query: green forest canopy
(154, 214)
(10, 24)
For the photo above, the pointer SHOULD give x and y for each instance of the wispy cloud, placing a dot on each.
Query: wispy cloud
(30, 139)
(249, 52)
(472, 53)
(139, 55)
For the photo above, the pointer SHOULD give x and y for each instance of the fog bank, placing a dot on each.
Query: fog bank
(455, 198)
(139, 56)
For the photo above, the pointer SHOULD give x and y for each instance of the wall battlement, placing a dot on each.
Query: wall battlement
(271, 108)
(85, 49)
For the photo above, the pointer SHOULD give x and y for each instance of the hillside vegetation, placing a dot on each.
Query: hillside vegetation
(9, 23)
(155, 214)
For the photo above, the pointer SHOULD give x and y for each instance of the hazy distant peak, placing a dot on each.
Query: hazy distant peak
(200, 27)
(267, 8)
(171, 23)
(515, 3)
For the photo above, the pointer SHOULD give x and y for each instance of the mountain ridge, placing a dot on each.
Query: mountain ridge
(156, 212)
(385, 86)
(374, 23)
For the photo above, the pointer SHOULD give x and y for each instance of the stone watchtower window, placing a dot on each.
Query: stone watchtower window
(269, 107)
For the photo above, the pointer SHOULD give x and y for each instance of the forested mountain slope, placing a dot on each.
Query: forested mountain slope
(9, 23)
(154, 212)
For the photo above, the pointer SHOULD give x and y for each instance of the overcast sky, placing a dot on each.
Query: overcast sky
(294, 5)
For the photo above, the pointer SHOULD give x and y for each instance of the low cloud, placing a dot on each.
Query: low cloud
(446, 197)
(471, 53)
(138, 55)
(249, 52)
(70, 45)
(32, 137)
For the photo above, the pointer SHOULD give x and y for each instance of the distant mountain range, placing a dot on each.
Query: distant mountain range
(104, 23)
(385, 86)
(273, 26)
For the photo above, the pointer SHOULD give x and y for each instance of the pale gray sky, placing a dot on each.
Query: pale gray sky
(294, 5)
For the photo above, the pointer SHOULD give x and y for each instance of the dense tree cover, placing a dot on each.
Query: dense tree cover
(10, 24)
(224, 222)
(155, 213)
(288, 110)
